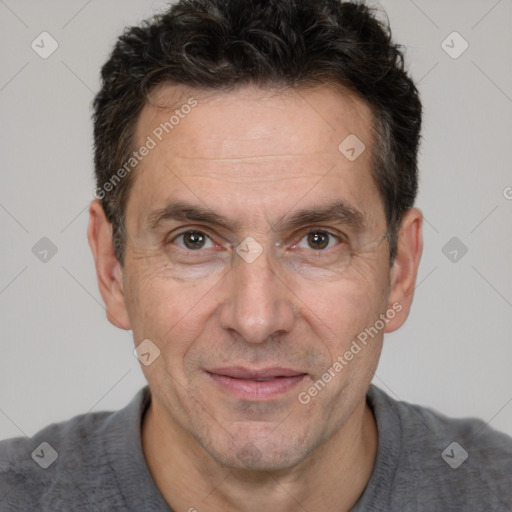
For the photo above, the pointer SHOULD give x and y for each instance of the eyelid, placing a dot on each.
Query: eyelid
(171, 237)
(342, 237)
(297, 236)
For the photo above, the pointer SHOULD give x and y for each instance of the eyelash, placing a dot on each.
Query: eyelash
(341, 238)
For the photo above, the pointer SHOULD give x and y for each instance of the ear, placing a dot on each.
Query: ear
(405, 268)
(108, 270)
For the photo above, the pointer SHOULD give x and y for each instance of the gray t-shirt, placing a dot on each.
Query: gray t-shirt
(95, 462)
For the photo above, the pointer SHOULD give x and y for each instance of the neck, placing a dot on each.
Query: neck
(332, 477)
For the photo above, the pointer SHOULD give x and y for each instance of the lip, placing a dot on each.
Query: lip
(256, 384)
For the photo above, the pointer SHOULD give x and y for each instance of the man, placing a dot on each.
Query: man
(254, 227)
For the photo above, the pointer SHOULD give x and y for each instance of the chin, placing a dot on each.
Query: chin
(274, 452)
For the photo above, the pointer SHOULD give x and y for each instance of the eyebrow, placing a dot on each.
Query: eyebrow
(339, 212)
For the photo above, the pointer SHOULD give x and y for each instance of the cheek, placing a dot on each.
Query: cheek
(169, 312)
(345, 319)
(339, 311)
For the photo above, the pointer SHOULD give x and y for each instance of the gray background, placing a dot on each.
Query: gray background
(60, 356)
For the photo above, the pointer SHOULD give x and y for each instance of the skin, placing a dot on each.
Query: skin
(291, 307)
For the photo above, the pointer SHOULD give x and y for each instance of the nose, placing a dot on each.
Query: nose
(258, 303)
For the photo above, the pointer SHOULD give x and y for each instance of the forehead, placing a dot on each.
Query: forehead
(252, 145)
(237, 123)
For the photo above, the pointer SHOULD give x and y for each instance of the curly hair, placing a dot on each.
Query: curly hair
(222, 44)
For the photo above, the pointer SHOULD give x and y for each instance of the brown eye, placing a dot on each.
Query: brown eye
(318, 239)
(192, 240)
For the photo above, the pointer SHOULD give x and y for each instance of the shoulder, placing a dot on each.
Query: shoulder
(31, 468)
(74, 464)
(463, 461)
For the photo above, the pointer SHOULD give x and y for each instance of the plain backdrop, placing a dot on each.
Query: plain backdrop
(61, 357)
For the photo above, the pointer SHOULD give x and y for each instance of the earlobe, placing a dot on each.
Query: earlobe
(405, 267)
(108, 271)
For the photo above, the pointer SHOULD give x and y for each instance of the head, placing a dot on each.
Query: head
(256, 174)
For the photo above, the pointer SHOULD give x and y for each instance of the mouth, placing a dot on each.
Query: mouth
(258, 385)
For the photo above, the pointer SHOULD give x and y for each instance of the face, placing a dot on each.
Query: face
(254, 258)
